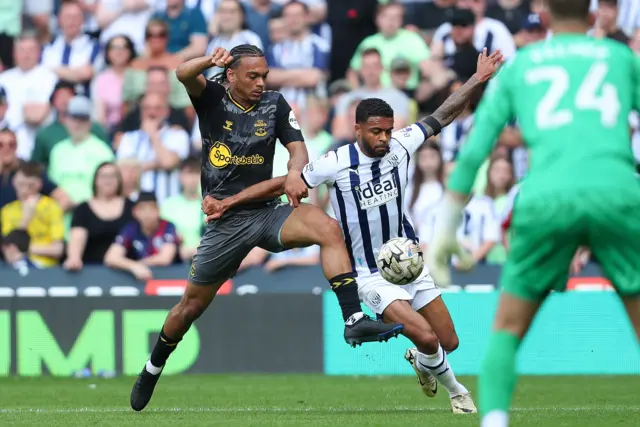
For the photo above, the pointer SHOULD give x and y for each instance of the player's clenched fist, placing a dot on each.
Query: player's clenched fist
(221, 57)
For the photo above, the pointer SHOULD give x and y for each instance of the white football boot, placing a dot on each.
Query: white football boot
(463, 404)
(428, 383)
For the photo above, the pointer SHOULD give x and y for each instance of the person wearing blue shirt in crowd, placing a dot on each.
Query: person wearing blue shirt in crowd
(146, 242)
(187, 29)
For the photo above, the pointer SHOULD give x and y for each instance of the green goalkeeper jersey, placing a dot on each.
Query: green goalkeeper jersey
(571, 97)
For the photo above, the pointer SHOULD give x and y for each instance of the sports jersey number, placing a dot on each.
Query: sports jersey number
(593, 94)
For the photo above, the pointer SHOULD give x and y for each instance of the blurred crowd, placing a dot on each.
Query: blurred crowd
(100, 146)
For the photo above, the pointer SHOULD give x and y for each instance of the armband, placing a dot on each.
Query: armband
(434, 124)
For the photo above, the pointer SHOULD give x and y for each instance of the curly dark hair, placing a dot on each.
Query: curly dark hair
(238, 52)
(372, 107)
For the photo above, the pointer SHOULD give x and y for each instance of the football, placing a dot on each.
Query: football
(400, 261)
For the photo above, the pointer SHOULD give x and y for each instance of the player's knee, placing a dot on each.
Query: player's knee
(330, 232)
(426, 341)
(450, 343)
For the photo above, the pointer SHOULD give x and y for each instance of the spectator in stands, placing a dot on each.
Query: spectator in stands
(36, 15)
(107, 87)
(300, 257)
(97, 222)
(259, 12)
(351, 22)
(488, 33)
(157, 81)
(187, 29)
(500, 180)
(50, 135)
(607, 22)
(371, 70)
(4, 124)
(147, 241)
(400, 73)
(337, 90)
(425, 190)
(156, 53)
(73, 56)
(629, 19)
(430, 16)
(74, 160)
(124, 18)
(453, 136)
(29, 86)
(231, 30)
(158, 148)
(298, 65)
(38, 215)
(634, 43)
(392, 41)
(278, 31)
(512, 13)
(184, 210)
(131, 170)
(533, 30)
(314, 120)
(343, 135)
(9, 165)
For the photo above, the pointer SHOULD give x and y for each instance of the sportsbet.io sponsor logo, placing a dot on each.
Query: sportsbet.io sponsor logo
(220, 157)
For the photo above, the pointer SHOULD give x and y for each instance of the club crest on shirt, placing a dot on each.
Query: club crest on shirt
(261, 128)
(227, 125)
(371, 195)
(393, 159)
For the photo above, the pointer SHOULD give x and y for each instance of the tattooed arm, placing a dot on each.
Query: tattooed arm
(455, 103)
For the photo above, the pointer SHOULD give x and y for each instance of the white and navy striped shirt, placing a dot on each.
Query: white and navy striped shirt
(83, 50)
(367, 194)
(489, 33)
(310, 52)
(137, 145)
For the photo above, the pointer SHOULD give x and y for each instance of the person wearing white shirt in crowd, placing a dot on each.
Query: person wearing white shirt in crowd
(298, 65)
(230, 28)
(425, 190)
(480, 228)
(124, 17)
(28, 86)
(73, 55)
(300, 257)
(157, 147)
(488, 32)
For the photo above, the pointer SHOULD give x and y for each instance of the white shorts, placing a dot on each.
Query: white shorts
(377, 293)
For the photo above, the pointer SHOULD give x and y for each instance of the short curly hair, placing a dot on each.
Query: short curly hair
(372, 107)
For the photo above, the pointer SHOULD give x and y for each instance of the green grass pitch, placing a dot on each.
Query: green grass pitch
(307, 400)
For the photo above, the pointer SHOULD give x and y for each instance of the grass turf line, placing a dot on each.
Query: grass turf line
(307, 400)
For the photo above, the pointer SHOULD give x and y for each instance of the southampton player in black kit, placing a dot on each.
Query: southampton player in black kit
(239, 128)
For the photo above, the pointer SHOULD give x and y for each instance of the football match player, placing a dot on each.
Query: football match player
(239, 127)
(572, 96)
(367, 182)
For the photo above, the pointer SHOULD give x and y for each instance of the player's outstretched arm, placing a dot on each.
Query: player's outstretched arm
(190, 72)
(454, 104)
(265, 190)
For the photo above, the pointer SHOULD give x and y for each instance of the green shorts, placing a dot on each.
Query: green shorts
(546, 234)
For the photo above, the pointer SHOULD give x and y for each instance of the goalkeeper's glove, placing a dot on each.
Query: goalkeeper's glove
(445, 244)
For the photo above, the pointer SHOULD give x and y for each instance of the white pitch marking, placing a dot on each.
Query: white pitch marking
(301, 410)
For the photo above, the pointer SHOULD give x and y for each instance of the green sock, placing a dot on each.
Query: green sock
(498, 373)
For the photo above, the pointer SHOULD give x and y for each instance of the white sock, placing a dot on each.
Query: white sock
(152, 369)
(354, 318)
(495, 419)
(437, 365)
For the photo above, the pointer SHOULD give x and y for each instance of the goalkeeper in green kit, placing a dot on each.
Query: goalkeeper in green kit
(572, 96)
